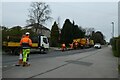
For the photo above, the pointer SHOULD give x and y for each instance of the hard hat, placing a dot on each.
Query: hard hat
(27, 33)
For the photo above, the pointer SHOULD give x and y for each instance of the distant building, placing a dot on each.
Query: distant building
(40, 29)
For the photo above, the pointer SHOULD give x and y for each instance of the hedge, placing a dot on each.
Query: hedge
(116, 46)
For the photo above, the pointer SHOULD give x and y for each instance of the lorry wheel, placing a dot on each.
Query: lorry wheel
(42, 50)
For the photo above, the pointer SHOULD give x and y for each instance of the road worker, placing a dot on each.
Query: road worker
(63, 46)
(26, 43)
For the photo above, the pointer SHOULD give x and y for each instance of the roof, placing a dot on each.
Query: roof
(39, 27)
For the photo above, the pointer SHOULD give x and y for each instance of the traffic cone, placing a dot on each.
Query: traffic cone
(20, 59)
(63, 47)
(71, 46)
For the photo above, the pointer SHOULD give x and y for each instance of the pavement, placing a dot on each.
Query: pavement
(56, 48)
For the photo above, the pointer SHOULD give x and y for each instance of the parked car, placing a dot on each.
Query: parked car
(97, 45)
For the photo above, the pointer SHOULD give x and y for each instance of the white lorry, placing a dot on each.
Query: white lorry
(39, 42)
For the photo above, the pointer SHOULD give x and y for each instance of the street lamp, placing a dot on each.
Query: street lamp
(112, 29)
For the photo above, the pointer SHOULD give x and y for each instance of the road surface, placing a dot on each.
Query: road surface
(83, 63)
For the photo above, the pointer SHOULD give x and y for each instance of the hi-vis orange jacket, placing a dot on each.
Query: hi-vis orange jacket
(26, 42)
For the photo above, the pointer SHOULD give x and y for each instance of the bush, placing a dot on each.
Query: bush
(116, 46)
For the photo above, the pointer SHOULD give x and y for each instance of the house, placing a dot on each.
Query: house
(40, 29)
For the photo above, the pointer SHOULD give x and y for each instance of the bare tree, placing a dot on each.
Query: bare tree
(89, 31)
(39, 13)
(58, 21)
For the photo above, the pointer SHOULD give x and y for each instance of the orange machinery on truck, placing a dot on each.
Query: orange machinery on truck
(83, 43)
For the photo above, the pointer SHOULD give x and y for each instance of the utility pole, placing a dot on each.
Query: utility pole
(112, 29)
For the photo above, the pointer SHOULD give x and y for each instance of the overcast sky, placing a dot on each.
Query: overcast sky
(98, 15)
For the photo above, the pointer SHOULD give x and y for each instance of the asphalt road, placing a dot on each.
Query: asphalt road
(85, 63)
(10, 59)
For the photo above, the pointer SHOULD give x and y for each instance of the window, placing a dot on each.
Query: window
(45, 40)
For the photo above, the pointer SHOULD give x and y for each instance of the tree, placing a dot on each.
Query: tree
(89, 31)
(78, 32)
(54, 35)
(71, 31)
(15, 33)
(81, 32)
(39, 13)
(4, 28)
(98, 37)
(4, 33)
(67, 32)
(11, 34)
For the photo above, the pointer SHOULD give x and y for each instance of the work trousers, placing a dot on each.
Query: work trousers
(26, 52)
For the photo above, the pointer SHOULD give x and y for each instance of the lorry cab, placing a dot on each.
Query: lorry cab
(43, 42)
(40, 42)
